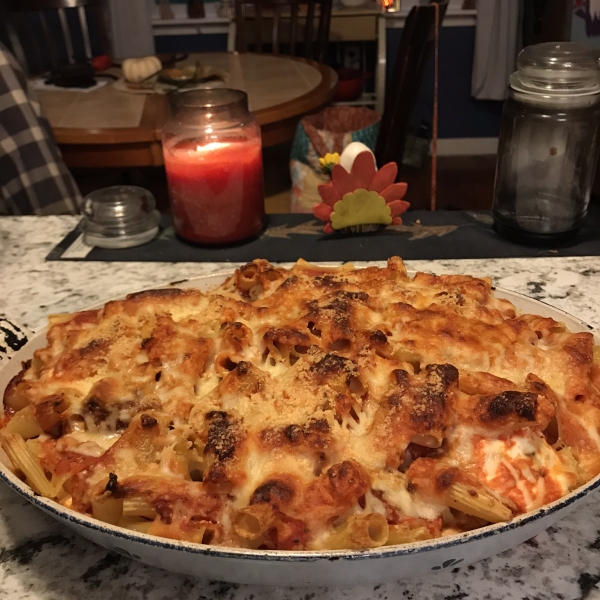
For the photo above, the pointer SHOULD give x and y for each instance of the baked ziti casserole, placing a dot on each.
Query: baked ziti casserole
(306, 409)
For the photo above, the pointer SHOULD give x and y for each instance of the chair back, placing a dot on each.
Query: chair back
(47, 34)
(291, 27)
(416, 45)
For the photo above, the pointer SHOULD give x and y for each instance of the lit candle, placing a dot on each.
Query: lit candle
(216, 189)
(215, 176)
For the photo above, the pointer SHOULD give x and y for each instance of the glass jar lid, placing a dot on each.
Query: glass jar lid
(557, 69)
(120, 216)
(210, 98)
(210, 110)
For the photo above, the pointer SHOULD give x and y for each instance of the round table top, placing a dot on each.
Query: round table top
(279, 88)
(269, 80)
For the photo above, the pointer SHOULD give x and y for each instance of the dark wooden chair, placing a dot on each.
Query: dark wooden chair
(416, 45)
(291, 27)
(47, 34)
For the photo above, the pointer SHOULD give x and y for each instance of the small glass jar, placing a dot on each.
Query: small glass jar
(213, 158)
(548, 145)
(120, 216)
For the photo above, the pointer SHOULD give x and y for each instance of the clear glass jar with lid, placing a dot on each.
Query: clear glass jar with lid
(548, 147)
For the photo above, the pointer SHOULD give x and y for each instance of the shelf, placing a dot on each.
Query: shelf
(453, 14)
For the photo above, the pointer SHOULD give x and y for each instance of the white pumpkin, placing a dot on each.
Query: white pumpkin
(351, 151)
(138, 69)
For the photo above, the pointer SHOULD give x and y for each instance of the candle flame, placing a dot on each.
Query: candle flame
(211, 146)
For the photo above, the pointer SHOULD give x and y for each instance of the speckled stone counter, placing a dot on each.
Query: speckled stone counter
(40, 559)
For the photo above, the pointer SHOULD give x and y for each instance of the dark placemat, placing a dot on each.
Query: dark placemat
(423, 235)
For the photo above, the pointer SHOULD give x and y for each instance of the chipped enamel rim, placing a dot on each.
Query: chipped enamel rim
(303, 556)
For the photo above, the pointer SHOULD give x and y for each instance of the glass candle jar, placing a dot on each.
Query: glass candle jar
(548, 145)
(213, 158)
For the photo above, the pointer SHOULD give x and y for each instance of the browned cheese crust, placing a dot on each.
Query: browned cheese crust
(307, 408)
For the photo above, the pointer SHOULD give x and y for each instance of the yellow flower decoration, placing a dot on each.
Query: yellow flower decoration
(327, 162)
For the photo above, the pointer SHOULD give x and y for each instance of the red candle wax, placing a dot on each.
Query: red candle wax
(216, 189)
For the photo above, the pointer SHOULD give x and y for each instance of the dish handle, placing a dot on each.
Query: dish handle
(13, 337)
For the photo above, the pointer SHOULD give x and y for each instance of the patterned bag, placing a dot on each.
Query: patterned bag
(329, 131)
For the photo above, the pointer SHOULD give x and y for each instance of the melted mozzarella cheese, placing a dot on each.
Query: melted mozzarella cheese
(395, 493)
(592, 432)
(260, 466)
(527, 458)
(93, 443)
(460, 441)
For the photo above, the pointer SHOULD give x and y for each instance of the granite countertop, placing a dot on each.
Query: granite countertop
(40, 559)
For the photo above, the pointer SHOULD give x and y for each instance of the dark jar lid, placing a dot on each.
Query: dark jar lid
(210, 99)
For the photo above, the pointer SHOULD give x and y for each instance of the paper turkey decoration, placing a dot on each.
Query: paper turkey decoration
(359, 198)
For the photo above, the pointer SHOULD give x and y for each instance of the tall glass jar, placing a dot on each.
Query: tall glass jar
(548, 145)
(213, 158)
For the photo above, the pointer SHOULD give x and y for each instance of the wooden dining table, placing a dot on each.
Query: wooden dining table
(114, 127)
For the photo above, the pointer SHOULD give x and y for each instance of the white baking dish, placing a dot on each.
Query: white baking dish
(334, 568)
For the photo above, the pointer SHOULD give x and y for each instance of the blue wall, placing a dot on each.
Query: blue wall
(460, 115)
(191, 43)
